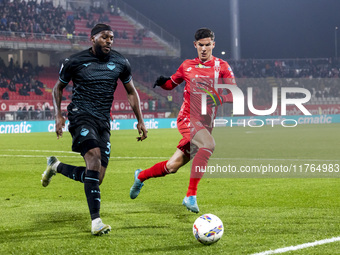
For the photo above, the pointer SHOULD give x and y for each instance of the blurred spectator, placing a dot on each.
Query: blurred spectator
(12, 86)
(20, 114)
(5, 96)
(32, 17)
(24, 113)
(24, 90)
(48, 114)
(38, 114)
(124, 35)
(103, 18)
(31, 113)
(3, 83)
(115, 34)
(38, 91)
(90, 23)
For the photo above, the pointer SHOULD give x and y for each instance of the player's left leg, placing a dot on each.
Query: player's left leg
(206, 144)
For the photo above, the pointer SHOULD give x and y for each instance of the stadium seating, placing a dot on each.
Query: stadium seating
(120, 24)
(50, 76)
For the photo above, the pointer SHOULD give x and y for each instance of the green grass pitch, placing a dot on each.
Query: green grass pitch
(259, 214)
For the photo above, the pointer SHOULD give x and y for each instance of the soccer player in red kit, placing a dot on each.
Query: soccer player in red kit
(200, 74)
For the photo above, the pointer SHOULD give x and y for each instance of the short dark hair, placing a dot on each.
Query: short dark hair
(204, 33)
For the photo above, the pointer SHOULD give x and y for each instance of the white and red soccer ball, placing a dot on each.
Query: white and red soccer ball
(208, 229)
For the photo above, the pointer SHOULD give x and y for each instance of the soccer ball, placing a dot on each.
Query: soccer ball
(208, 229)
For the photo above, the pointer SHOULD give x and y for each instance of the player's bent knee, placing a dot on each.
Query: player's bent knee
(209, 145)
(101, 178)
(93, 159)
(172, 168)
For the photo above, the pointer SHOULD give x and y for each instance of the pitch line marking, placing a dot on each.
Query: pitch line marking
(299, 247)
(254, 159)
(42, 151)
(76, 156)
(277, 159)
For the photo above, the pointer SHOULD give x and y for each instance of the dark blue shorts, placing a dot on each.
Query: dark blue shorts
(88, 133)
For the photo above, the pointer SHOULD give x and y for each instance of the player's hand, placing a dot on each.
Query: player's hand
(161, 80)
(143, 132)
(59, 125)
(214, 102)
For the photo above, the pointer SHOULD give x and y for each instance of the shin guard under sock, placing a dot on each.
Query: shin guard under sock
(198, 167)
(92, 192)
(157, 170)
(73, 172)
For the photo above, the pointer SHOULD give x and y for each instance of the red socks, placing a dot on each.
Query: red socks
(200, 161)
(157, 170)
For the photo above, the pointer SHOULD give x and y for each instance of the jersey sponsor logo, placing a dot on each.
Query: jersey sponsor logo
(87, 64)
(202, 66)
(111, 66)
(84, 132)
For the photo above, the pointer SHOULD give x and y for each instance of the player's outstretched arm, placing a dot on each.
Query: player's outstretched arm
(135, 105)
(165, 83)
(161, 80)
(57, 95)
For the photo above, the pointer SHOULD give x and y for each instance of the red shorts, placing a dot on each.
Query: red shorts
(188, 129)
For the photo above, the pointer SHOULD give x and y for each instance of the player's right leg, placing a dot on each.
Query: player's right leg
(190, 202)
(91, 186)
(98, 227)
(51, 170)
(54, 166)
(137, 185)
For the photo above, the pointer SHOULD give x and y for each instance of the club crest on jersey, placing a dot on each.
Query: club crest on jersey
(111, 66)
(217, 69)
(84, 132)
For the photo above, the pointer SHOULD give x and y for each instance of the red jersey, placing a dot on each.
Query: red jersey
(200, 76)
